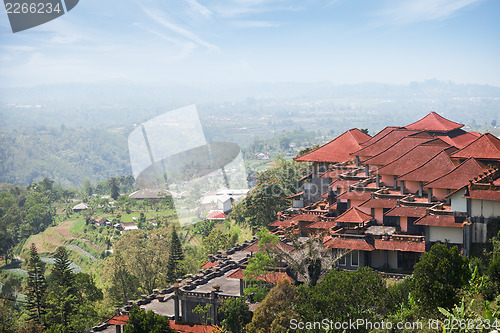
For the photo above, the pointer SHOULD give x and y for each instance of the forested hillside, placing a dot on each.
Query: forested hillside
(66, 155)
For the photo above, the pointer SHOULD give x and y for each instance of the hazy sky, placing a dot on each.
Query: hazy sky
(221, 41)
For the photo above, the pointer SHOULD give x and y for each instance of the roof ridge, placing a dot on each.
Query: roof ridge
(433, 157)
(456, 168)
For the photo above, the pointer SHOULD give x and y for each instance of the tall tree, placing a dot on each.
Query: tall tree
(62, 298)
(114, 186)
(124, 286)
(176, 255)
(36, 286)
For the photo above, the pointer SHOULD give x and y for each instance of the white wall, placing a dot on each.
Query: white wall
(459, 204)
(485, 208)
(443, 234)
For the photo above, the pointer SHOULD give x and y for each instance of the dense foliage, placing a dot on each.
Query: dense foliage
(141, 321)
(270, 194)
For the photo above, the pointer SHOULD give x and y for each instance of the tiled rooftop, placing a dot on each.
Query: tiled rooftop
(435, 123)
(486, 147)
(337, 150)
(459, 176)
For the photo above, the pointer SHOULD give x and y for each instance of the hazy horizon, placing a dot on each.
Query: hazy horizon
(209, 42)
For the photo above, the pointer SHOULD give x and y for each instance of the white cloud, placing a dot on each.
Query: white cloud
(199, 8)
(159, 18)
(184, 48)
(407, 12)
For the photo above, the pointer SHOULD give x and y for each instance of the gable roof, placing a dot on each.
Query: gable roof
(414, 158)
(353, 215)
(459, 176)
(435, 123)
(305, 217)
(486, 147)
(408, 211)
(440, 221)
(354, 195)
(437, 166)
(459, 138)
(396, 150)
(255, 247)
(81, 206)
(216, 215)
(147, 193)
(322, 225)
(399, 245)
(337, 150)
(492, 195)
(191, 328)
(118, 320)
(210, 264)
(379, 203)
(383, 143)
(379, 135)
(348, 244)
(282, 223)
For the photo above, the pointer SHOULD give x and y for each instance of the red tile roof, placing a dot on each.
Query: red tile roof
(486, 147)
(459, 176)
(322, 225)
(491, 195)
(305, 217)
(459, 138)
(396, 150)
(408, 211)
(440, 221)
(273, 277)
(255, 247)
(210, 264)
(342, 184)
(338, 149)
(287, 223)
(334, 173)
(119, 320)
(379, 135)
(398, 245)
(355, 195)
(353, 215)
(348, 244)
(383, 143)
(379, 203)
(237, 274)
(437, 166)
(216, 215)
(191, 328)
(434, 123)
(411, 160)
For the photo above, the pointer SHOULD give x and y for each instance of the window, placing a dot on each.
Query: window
(355, 258)
(342, 260)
